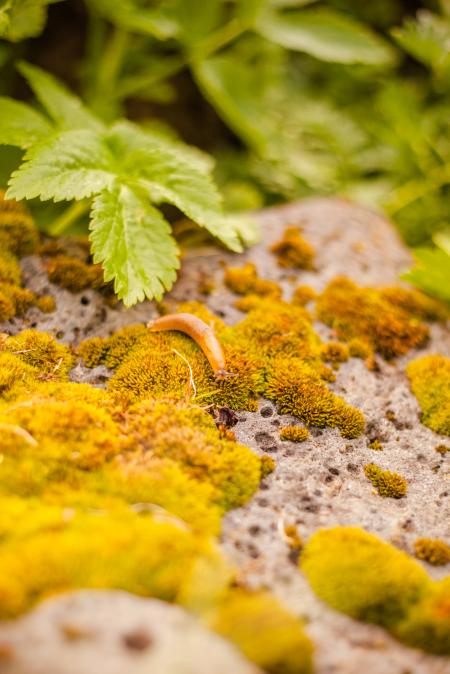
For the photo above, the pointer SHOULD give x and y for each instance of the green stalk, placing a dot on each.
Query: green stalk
(70, 215)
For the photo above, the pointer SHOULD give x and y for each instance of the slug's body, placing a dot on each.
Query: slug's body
(201, 333)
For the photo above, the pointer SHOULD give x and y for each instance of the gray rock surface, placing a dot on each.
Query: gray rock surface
(112, 632)
(319, 483)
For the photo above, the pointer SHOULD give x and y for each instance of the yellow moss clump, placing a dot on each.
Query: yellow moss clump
(42, 351)
(15, 375)
(294, 433)
(298, 390)
(92, 351)
(387, 484)
(416, 303)
(7, 308)
(335, 352)
(104, 548)
(46, 304)
(244, 280)
(429, 378)
(9, 268)
(427, 624)
(264, 631)
(302, 295)
(74, 274)
(293, 251)
(187, 435)
(375, 445)
(432, 550)
(366, 314)
(18, 233)
(358, 574)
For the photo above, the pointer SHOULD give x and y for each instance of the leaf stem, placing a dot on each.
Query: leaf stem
(70, 215)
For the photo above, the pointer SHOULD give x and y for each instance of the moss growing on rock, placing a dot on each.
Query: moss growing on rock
(302, 295)
(292, 251)
(335, 352)
(358, 574)
(18, 233)
(387, 484)
(245, 280)
(294, 433)
(42, 351)
(264, 631)
(368, 315)
(429, 378)
(432, 550)
(9, 268)
(73, 274)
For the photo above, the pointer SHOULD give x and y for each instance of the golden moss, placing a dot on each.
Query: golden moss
(442, 449)
(375, 445)
(20, 298)
(7, 308)
(15, 375)
(244, 280)
(42, 351)
(92, 351)
(416, 303)
(387, 484)
(18, 233)
(302, 295)
(74, 274)
(298, 390)
(432, 550)
(268, 465)
(429, 378)
(358, 574)
(264, 631)
(46, 304)
(335, 352)
(293, 251)
(358, 348)
(9, 268)
(294, 433)
(187, 435)
(427, 625)
(366, 314)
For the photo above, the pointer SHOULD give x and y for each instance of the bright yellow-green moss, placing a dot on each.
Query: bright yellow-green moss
(268, 465)
(293, 251)
(74, 274)
(429, 378)
(92, 351)
(244, 280)
(433, 551)
(375, 445)
(18, 232)
(358, 574)
(365, 313)
(427, 625)
(335, 352)
(387, 484)
(102, 548)
(21, 298)
(7, 308)
(187, 435)
(358, 348)
(298, 390)
(302, 295)
(294, 433)
(15, 375)
(9, 268)
(42, 351)
(264, 631)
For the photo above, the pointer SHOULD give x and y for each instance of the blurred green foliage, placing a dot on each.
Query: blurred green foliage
(292, 97)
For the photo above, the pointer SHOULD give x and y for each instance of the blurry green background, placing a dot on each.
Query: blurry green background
(292, 97)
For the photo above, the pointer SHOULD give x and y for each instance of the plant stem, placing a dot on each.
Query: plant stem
(70, 215)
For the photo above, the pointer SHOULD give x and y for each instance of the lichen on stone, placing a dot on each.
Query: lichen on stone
(387, 484)
(433, 551)
(292, 251)
(429, 377)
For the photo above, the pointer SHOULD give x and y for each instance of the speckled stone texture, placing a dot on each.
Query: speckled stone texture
(318, 483)
(112, 632)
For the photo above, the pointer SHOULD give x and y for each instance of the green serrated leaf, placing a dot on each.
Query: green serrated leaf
(66, 109)
(325, 34)
(171, 172)
(432, 272)
(20, 124)
(133, 242)
(68, 165)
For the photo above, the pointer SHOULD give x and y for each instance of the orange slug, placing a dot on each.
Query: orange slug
(201, 333)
